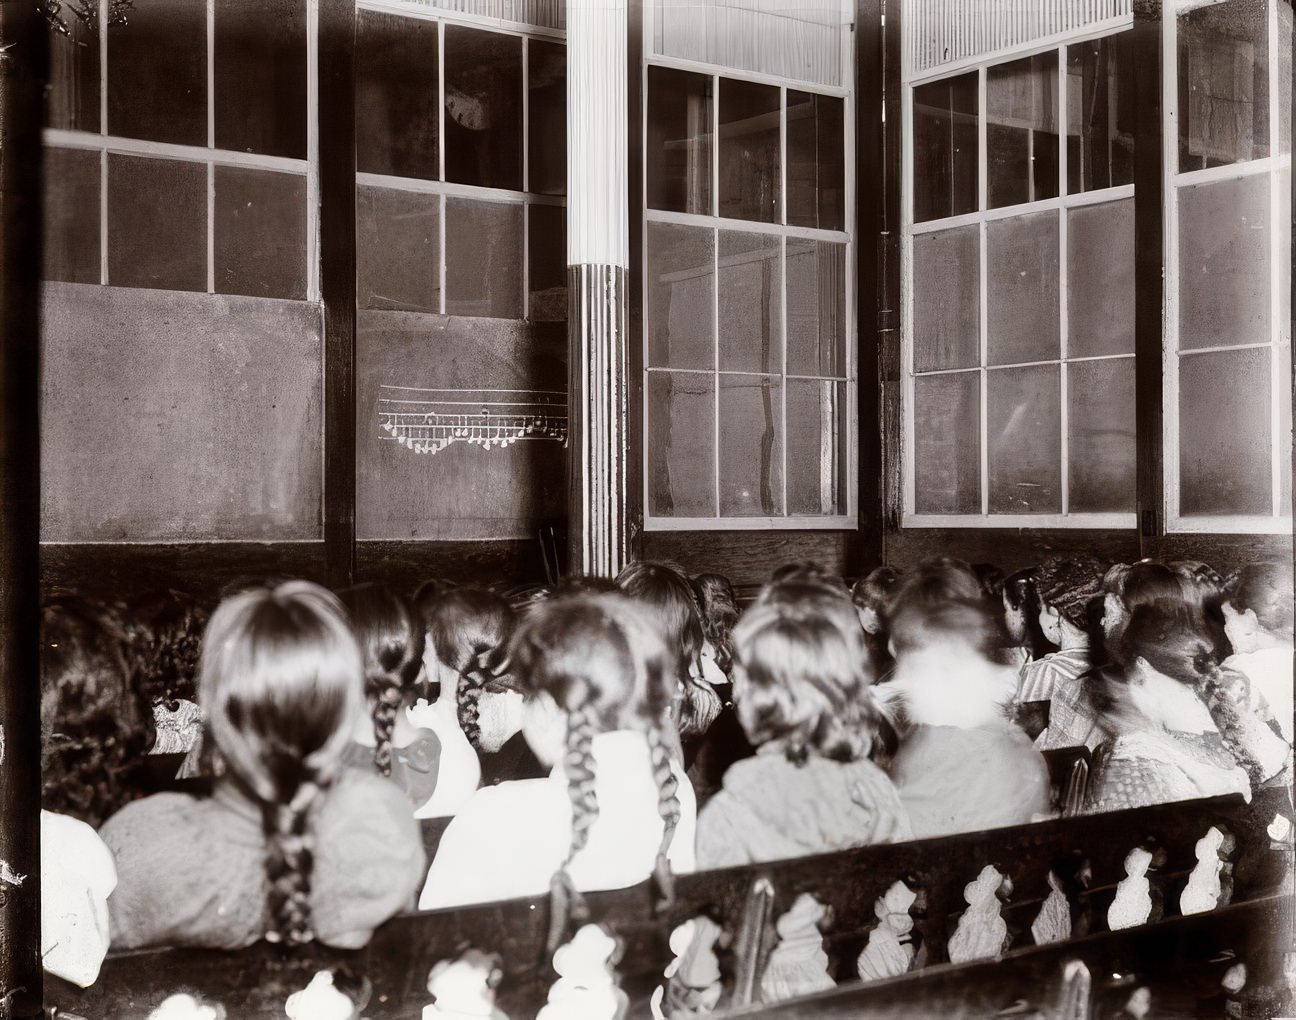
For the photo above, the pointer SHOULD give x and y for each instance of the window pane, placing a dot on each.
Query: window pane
(1022, 262)
(157, 72)
(483, 108)
(483, 259)
(1223, 84)
(260, 76)
(396, 96)
(1100, 429)
(1224, 447)
(816, 170)
(945, 148)
(157, 223)
(1224, 263)
(547, 245)
(547, 119)
(681, 444)
(1100, 279)
(1021, 130)
(816, 307)
(750, 164)
(398, 238)
(71, 215)
(751, 453)
(947, 299)
(681, 296)
(818, 447)
(259, 243)
(751, 302)
(679, 141)
(947, 443)
(72, 102)
(1100, 114)
(1024, 431)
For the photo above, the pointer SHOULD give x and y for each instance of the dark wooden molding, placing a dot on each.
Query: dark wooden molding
(634, 297)
(871, 294)
(749, 557)
(1149, 274)
(24, 53)
(337, 187)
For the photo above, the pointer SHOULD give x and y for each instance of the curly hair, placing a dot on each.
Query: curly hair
(468, 629)
(392, 641)
(718, 607)
(96, 729)
(164, 630)
(280, 680)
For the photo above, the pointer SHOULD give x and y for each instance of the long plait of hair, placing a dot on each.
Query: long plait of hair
(668, 806)
(472, 680)
(384, 693)
(578, 762)
(289, 864)
(1228, 720)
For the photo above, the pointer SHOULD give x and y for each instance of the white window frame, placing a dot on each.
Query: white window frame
(443, 188)
(848, 413)
(984, 215)
(208, 155)
(1279, 520)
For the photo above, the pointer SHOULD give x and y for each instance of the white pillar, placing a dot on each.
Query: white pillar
(597, 258)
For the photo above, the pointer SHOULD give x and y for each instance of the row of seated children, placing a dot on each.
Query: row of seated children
(627, 731)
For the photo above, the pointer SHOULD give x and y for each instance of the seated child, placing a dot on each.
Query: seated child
(391, 640)
(94, 735)
(871, 595)
(291, 846)
(616, 808)
(802, 695)
(1171, 731)
(962, 766)
(464, 627)
(164, 641)
(1258, 619)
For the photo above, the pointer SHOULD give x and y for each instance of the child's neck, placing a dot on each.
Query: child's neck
(1072, 638)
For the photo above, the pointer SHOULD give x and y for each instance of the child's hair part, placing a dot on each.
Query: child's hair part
(391, 640)
(281, 683)
(604, 663)
(664, 589)
(96, 728)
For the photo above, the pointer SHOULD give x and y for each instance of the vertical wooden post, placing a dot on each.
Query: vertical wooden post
(337, 188)
(597, 258)
(24, 55)
(889, 312)
(1149, 269)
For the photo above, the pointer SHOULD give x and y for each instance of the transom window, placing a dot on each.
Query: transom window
(748, 308)
(1019, 292)
(460, 185)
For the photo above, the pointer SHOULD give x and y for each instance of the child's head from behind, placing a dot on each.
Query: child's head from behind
(801, 678)
(871, 594)
(665, 591)
(391, 640)
(1259, 611)
(281, 683)
(95, 728)
(955, 627)
(719, 610)
(1066, 587)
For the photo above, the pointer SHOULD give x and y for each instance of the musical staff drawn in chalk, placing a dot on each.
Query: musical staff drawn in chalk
(429, 420)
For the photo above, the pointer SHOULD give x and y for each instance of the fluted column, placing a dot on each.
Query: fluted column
(597, 257)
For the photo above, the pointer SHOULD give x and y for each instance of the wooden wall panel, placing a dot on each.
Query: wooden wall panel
(465, 491)
(748, 557)
(171, 416)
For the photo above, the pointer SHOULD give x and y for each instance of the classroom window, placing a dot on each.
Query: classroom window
(1018, 340)
(747, 304)
(456, 161)
(177, 153)
(1227, 399)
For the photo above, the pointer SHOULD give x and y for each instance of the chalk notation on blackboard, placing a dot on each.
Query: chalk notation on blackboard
(429, 420)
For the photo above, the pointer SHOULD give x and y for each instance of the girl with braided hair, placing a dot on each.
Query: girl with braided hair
(616, 808)
(801, 686)
(391, 640)
(291, 845)
(1173, 731)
